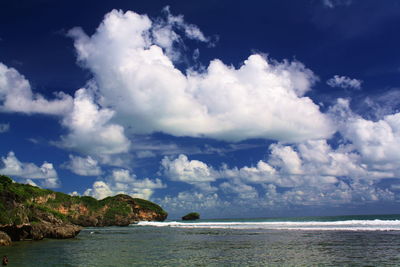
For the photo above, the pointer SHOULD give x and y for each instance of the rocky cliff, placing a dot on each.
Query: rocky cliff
(28, 212)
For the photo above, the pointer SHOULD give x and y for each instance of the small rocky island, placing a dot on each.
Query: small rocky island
(31, 213)
(191, 216)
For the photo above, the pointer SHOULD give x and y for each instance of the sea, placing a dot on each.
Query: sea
(306, 241)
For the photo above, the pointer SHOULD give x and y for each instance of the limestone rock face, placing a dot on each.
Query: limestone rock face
(5, 240)
(31, 213)
(120, 210)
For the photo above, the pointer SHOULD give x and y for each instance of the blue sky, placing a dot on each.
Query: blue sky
(229, 108)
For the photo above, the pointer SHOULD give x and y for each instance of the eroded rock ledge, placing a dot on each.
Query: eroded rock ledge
(38, 231)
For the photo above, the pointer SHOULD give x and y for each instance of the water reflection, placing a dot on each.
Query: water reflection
(150, 246)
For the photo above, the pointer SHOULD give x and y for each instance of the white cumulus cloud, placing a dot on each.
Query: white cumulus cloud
(377, 141)
(45, 173)
(344, 82)
(16, 96)
(83, 166)
(91, 131)
(123, 182)
(260, 99)
(192, 172)
(312, 173)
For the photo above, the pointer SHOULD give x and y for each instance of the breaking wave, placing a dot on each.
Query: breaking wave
(350, 225)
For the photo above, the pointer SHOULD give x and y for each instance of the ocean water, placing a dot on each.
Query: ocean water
(307, 241)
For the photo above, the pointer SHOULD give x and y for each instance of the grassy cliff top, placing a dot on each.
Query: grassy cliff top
(20, 202)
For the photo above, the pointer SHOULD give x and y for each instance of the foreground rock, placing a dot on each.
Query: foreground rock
(32, 213)
(5, 239)
(49, 230)
(191, 216)
(38, 231)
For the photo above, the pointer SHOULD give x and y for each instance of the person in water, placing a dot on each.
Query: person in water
(5, 260)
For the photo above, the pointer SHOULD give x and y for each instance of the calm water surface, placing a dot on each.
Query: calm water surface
(209, 246)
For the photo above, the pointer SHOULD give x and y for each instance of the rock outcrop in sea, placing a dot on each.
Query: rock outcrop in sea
(31, 213)
(191, 216)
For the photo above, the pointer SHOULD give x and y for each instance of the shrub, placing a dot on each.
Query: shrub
(120, 209)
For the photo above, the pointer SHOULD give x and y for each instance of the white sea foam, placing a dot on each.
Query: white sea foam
(350, 225)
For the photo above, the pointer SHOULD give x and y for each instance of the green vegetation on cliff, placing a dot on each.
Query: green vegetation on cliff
(22, 203)
(150, 205)
(15, 201)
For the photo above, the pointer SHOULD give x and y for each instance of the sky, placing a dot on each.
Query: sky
(228, 108)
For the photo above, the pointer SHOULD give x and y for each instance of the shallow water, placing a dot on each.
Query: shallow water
(204, 246)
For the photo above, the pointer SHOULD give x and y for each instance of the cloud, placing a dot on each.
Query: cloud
(259, 174)
(377, 141)
(99, 190)
(145, 154)
(205, 203)
(123, 182)
(240, 200)
(336, 3)
(31, 182)
(83, 166)
(46, 174)
(181, 169)
(241, 190)
(192, 172)
(4, 127)
(260, 99)
(150, 146)
(311, 173)
(50, 183)
(312, 163)
(91, 131)
(344, 82)
(321, 160)
(165, 33)
(286, 159)
(16, 96)
(191, 31)
(377, 106)
(330, 195)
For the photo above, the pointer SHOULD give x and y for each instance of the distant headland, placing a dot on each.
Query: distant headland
(31, 213)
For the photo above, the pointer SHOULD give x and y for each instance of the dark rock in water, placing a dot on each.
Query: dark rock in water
(31, 213)
(38, 231)
(5, 240)
(49, 230)
(17, 232)
(191, 216)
